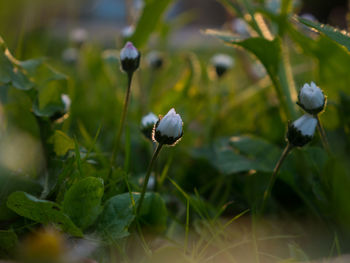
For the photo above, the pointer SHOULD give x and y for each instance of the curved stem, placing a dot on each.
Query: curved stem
(322, 135)
(273, 178)
(122, 120)
(149, 170)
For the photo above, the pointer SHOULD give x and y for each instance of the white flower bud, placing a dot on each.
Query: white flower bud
(130, 58)
(70, 55)
(78, 36)
(147, 123)
(128, 31)
(309, 16)
(222, 63)
(155, 59)
(301, 131)
(168, 130)
(240, 27)
(311, 98)
(66, 102)
(60, 115)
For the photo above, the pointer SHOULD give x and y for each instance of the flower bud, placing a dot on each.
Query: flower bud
(128, 31)
(222, 63)
(301, 131)
(79, 36)
(70, 55)
(60, 116)
(168, 130)
(311, 98)
(240, 27)
(155, 59)
(130, 58)
(147, 123)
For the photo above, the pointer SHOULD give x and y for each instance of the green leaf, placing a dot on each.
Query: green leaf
(82, 202)
(10, 183)
(341, 37)
(8, 241)
(62, 143)
(11, 73)
(41, 211)
(152, 14)
(119, 213)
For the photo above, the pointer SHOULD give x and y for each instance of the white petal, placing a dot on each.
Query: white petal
(129, 52)
(306, 124)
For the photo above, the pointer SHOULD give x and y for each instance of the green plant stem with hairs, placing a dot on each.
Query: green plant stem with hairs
(122, 121)
(322, 134)
(149, 170)
(273, 178)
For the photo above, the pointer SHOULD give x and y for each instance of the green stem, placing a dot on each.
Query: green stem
(273, 178)
(322, 134)
(149, 170)
(122, 120)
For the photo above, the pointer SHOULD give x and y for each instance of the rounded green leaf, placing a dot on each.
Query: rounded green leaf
(82, 202)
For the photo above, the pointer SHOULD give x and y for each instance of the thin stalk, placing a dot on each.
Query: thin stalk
(322, 134)
(273, 178)
(122, 120)
(149, 170)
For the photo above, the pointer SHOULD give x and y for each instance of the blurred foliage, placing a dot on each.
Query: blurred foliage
(209, 186)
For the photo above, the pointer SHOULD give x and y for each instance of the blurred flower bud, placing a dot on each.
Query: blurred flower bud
(301, 131)
(60, 116)
(311, 98)
(155, 59)
(70, 55)
(222, 63)
(240, 27)
(147, 123)
(258, 70)
(168, 130)
(130, 58)
(309, 16)
(128, 31)
(78, 36)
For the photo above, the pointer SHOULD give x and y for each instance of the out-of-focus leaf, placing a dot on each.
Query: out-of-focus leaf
(8, 241)
(152, 13)
(119, 213)
(82, 202)
(62, 143)
(10, 183)
(41, 211)
(341, 37)
(241, 154)
(10, 73)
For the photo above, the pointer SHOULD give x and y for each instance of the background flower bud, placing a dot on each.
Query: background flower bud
(311, 98)
(301, 131)
(168, 130)
(130, 58)
(155, 59)
(147, 123)
(222, 63)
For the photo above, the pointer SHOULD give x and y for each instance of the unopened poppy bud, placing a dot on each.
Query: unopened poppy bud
(155, 59)
(311, 98)
(130, 58)
(168, 130)
(301, 131)
(222, 63)
(147, 123)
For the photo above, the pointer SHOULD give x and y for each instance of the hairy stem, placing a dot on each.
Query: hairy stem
(322, 135)
(149, 170)
(122, 121)
(273, 178)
